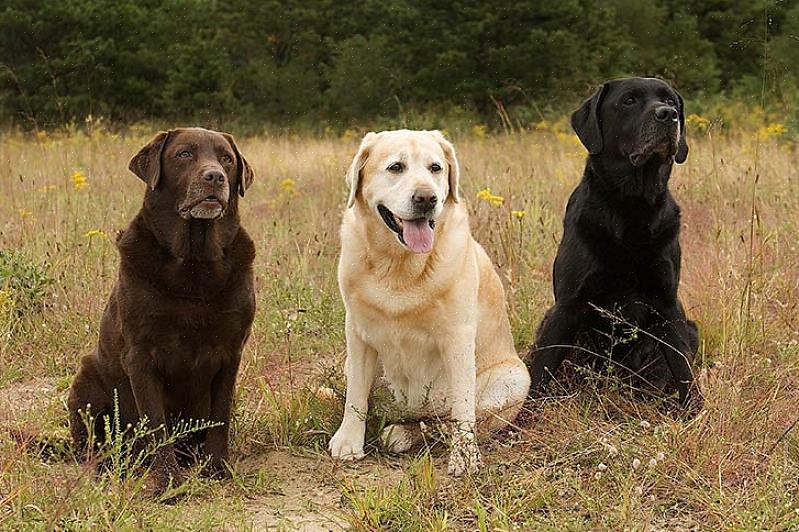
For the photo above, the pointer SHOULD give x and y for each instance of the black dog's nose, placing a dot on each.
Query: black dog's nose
(424, 199)
(666, 113)
(214, 175)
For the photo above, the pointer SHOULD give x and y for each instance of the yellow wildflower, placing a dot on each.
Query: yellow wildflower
(543, 125)
(24, 213)
(480, 131)
(697, 122)
(348, 134)
(79, 180)
(41, 134)
(771, 130)
(289, 186)
(93, 233)
(519, 215)
(487, 196)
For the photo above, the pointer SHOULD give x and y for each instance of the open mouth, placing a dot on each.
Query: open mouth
(416, 234)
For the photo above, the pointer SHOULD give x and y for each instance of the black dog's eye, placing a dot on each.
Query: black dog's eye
(185, 154)
(396, 168)
(629, 100)
(435, 168)
(227, 159)
(671, 102)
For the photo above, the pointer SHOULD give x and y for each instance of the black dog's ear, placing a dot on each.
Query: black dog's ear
(585, 121)
(682, 144)
(147, 163)
(246, 175)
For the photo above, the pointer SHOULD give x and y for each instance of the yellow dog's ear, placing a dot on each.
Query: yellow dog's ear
(452, 164)
(358, 162)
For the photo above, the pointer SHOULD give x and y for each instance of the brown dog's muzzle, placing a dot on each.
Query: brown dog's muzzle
(207, 196)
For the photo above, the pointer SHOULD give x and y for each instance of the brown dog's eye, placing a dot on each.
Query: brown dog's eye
(396, 168)
(435, 168)
(185, 154)
(227, 159)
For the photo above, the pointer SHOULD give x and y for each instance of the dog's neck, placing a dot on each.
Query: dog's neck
(616, 179)
(194, 240)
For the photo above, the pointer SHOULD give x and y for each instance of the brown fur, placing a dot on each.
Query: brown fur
(175, 325)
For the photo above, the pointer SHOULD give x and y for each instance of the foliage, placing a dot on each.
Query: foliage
(347, 63)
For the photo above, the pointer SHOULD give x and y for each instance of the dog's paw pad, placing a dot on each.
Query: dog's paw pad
(464, 458)
(400, 438)
(345, 445)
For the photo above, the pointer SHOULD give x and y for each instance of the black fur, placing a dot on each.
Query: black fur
(620, 250)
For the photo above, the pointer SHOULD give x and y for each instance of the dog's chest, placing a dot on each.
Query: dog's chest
(412, 362)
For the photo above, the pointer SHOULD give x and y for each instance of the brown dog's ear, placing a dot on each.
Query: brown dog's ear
(147, 163)
(585, 121)
(452, 163)
(358, 162)
(246, 175)
(682, 144)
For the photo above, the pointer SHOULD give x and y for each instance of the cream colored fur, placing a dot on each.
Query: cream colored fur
(437, 321)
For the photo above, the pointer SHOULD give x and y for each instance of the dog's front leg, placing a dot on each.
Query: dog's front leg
(148, 392)
(460, 358)
(347, 442)
(217, 438)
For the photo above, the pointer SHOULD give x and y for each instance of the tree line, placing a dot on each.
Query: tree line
(295, 62)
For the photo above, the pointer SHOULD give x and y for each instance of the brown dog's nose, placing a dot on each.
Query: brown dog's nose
(424, 200)
(666, 113)
(214, 176)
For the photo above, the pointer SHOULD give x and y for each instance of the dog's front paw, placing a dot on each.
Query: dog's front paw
(347, 444)
(465, 455)
(400, 437)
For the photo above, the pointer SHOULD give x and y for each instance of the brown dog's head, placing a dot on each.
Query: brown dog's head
(194, 171)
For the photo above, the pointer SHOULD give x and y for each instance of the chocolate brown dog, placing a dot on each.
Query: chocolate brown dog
(175, 325)
(618, 265)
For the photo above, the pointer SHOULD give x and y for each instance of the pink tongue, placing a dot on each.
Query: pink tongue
(418, 235)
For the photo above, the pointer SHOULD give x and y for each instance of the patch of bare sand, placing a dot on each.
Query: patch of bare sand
(307, 490)
(20, 400)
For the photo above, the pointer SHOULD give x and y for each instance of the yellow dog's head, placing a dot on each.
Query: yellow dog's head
(405, 178)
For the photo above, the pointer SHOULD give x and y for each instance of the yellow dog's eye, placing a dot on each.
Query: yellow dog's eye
(396, 168)
(435, 168)
(185, 154)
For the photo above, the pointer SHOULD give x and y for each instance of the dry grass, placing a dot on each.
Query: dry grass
(735, 466)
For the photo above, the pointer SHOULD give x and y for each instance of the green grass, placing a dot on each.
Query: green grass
(571, 466)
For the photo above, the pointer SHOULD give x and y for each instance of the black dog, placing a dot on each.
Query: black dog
(618, 265)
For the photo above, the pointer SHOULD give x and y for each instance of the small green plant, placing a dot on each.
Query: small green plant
(130, 449)
(25, 283)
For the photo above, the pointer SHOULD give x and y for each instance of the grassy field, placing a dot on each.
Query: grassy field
(594, 458)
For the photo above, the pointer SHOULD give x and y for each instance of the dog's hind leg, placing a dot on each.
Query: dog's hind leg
(87, 397)
(554, 340)
(501, 392)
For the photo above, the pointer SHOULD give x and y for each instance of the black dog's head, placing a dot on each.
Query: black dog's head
(633, 119)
